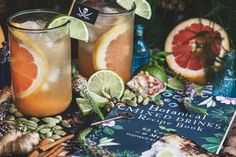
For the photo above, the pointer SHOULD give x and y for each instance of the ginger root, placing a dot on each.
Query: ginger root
(17, 142)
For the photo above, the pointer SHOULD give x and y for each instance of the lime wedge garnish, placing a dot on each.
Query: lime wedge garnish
(126, 4)
(143, 8)
(86, 108)
(78, 29)
(176, 84)
(106, 80)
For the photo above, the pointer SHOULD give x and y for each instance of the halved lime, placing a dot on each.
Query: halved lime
(165, 153)
(143, 8)
(155, 71)
(176, 84)
(78, 29)
(85, 106)
(106, 80)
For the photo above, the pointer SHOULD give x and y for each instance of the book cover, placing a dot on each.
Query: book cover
(156, 128)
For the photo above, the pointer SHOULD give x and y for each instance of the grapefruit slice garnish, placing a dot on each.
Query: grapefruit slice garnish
(195, 43)
(112, 51)
(2, 38)
(29, 67)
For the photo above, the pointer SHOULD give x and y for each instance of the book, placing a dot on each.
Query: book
(154, 125)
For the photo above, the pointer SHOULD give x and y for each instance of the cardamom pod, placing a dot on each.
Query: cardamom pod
(45, 131)
(158, 103)
(66, 124)
(55, 137)
(57, 127)
(12, 110)
(50, 120)
(58, 118)
(22, 120)
(10, 122)
(48, 134)
(34, 119)
(18, 114)
(60, 132)
(140, 99)
(130, 102)
(40, 127)
(31, 124)
(50, 125)
(10, 117)
(146, 101)
(31, 128)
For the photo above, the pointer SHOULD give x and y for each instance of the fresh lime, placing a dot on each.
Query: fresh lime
(165, 153)
(106, 80)
(78, 29)
(143, 8)
(176, 84)
(126, 4)
(155, 71)
(86, 108)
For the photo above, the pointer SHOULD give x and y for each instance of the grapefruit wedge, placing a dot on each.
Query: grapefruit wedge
(196, 44)
(29, 67)
(113, 51)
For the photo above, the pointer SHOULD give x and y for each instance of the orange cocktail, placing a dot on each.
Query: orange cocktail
(40, 63)
(110, 44)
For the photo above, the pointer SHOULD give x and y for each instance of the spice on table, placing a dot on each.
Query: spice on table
(36, 152)
(57, 142)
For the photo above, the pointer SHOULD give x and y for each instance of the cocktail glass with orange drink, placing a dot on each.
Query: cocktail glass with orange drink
(40, 63)
(110, 44)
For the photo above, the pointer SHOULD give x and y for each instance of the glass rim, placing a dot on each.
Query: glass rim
(9, 23)
(115, 14)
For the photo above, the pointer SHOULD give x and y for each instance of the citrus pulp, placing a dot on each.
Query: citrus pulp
(195, 44)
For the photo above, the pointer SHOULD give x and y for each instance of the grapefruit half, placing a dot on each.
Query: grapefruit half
(195, 44)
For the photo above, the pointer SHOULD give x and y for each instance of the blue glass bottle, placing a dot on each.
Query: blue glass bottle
(141, 53)
(225, 81)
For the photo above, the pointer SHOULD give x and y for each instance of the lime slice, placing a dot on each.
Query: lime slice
(176, 84)
(143, 8)
(126, 4)
(106, 80)
(165, 153)
(86, 108)
(78, 29)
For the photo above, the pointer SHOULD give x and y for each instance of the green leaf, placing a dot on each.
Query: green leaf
(162, 127)
(82, 135)
(212, 140)
(198, 88)
(117, 127)
(108, 131)
(211, 147)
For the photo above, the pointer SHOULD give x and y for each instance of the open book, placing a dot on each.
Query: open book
(167, 129)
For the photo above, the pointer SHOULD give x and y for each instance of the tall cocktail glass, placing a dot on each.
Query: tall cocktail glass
(40, 63)
(110, 44)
